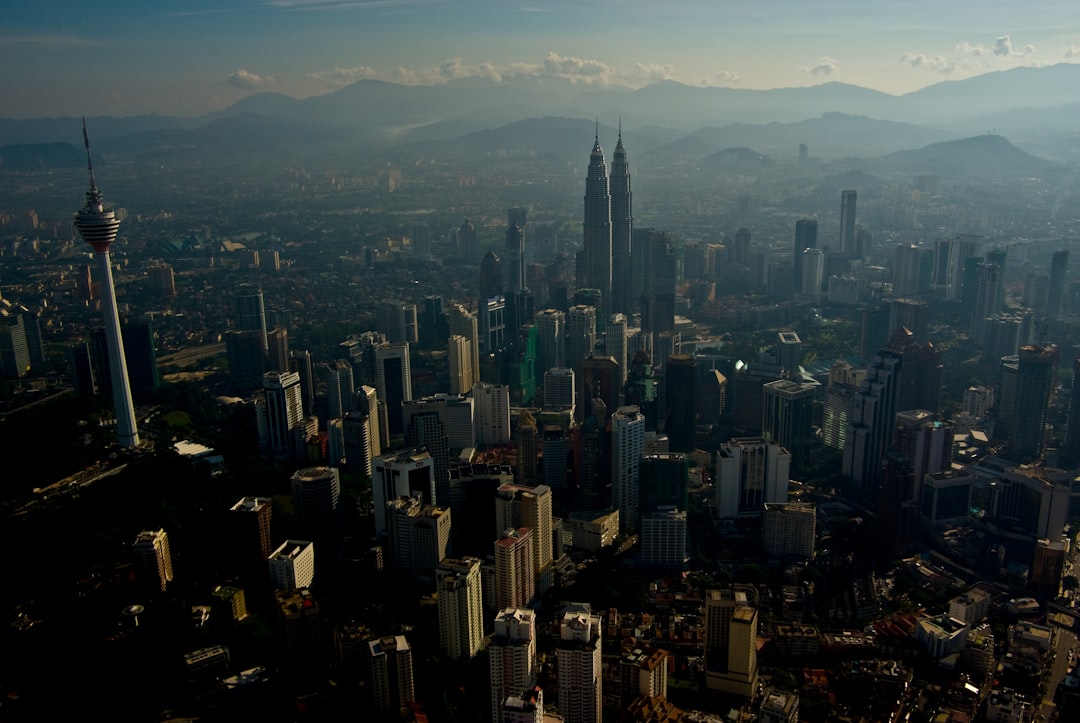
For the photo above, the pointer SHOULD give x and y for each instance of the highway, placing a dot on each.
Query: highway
(186, 357)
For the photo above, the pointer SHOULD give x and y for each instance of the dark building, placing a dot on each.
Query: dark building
(141, 356)
(1059, 265)
(599, 379)
(1072, 433)
(82, 370)
(658, 296)
(597, 225)
(664, 481)
(805, 238)
(622, 226)
(680, 414)
(1034, 384)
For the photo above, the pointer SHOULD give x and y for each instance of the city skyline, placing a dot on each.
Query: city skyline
(198, 57)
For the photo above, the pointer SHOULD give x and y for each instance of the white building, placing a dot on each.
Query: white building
(523, 506)
(512, 654)
(788, 529)
(515, 576)
(292, 565)
(750, 472)
(579, 667)
(460, 358)
(461, 606)
(492, 405)
(408, 473)
(627, 446)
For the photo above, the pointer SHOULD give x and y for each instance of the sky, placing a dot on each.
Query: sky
(189, 57)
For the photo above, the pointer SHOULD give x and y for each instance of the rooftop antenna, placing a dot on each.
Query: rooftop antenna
(597, 129)
(89, 163)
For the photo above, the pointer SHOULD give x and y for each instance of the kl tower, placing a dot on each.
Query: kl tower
(98, 226)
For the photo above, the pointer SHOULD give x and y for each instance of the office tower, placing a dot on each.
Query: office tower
(812, 275)
(615, 344)
(492, 283)
(492, 405)
(788, 529)
(1032, 500)
(406, 473)
(466, 240)
(250, 522)
(434, 326)
(1005, 395)
(82, 370)
(292, 565)
(278, 356)
(520, 366)
(418, 538)
(515, 259)
(805, 238)
(250, 310)
(717, 260)
(925, 441)
(161, 279)
(460, 358)
(788, 417)
(919, 386)
(511, 654)
(461, 607)
(874, 329)
(836, 413)
(390, 673)
(870, 425)
(581, 334)
(519, 506)
(731, 640)
(559, 388)
(556, 451)
(420, 241)
(140, 349)
(98, 227)
(282, 412)
(246, 356)
(622, 227)
(393, 382)
(527, 450)
(300, 632)
(627, 446)
(977, 401)
(578, 656)
(1034, 385)
(789, 354)
(1055, 292)
(493, 325)
(642, 673)
(658, 293)
(462, 322)
(316, 498)
(1072, 432)
(664, 480)
(950, 255)
(551, 339)
(847, 244)
(340, 387)
(663, 537)
(749, 473)
(910, 314)
(680, 415)
(907, 268)
(597, 225)
(425, 429)
(360, 432)
(599, 381)
(396, 320)
(1047, 566)
(153, 560)
(300, 362)
(988, 292)
(515, 574)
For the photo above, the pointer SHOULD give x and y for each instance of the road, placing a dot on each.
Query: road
(184, 357)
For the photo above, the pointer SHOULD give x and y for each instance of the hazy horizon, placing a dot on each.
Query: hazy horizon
(196, 56)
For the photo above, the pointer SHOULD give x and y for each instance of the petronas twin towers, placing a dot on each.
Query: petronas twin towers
(608, 228)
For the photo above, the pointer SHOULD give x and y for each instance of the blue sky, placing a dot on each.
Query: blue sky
(187, 57)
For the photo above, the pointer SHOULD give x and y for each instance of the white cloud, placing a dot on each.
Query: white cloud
(936, 63)
(724, 77)
(1073, 51)
(337, 77)
(1002, 47)
(824, 66)
(247, 80)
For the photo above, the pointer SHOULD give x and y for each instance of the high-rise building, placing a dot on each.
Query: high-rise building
(581, 334)
(664, 481)
(393, 382)
(361, 441)
(396, 320)
(907, 270)
(599, 381)
(462, 322)
(731, 640)
(925, 441)
(578, 656)
(82, 370)
(788, 417)
(1034, 385)
(280, 414)
(680, 395)
(627, 446)
(527, 450)
(98, 227)
(750, 472)
(492, 408)
(658, 290)
(551, 339)
(512, 654)
(250, 521)
(300, 632)
(812, 274)
(597, 225)
(461, 607)
(466, 240)
(559, 388)
(418, 538)
(460, 358)
(663, 538)
(515, 575)
(847, 244)
(622, 228)
(390, 673)
(515, 256)
(153, 559)
(950, 255)
(805, 238)
(406, 473)
(1072, 432)
(518, 506)
(870, 427)
(292, 565)
(316, 498)
(340, 388)
(556, 451)
(1055, 292)
(987, 298)
(615, 338)
(250, 310)
(643, 673)
(788, 529)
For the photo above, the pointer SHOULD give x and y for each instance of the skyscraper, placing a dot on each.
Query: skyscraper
(1059, 265)
(551, 339)
(460, 357)
(597, 225)
(1072, 432)
(870, 425)
(250, 522)
(680, 416)
(153, 560)
(805, 238)
(250, 311)
(98, 227)
(749, 473)
(408, 473)
(847, 224)
(730, 640)
(338, 377)
(615, 344)
(515, 575)
(519, 506)
(578, 654)
(390, 671)
(515, 257)
(492, 406)
(581, 337)
(316, 497)
(393, 381)
(627, 446)
(511, 654)
(461, 607)
(622, 227)
(658, 292)
(292, 565)
(281, 413)
(788, 417)
(1034, 383)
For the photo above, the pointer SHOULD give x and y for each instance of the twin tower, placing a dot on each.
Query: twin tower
(608, 228)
